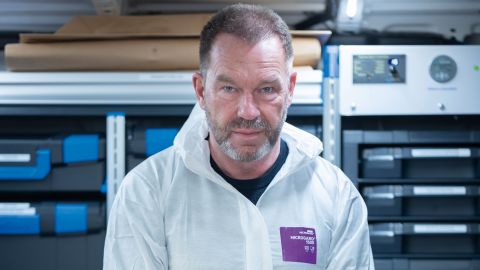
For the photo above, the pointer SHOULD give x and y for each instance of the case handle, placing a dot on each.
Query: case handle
(26, 173)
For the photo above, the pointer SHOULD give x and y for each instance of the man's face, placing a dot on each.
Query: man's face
(245, 94)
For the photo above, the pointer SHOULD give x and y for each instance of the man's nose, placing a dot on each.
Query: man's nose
(248, 107)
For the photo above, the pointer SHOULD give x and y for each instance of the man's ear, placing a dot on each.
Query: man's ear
(291, 87)
(198, 85)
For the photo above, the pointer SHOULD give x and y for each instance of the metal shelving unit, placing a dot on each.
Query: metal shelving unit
(125, 108)
(133, 94)
(407, 129)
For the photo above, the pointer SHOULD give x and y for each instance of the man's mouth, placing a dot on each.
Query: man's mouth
(247, 133)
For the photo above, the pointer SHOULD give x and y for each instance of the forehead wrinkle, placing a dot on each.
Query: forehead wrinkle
(270, 80)
(264, 77)
(270, 74)
(245, 70)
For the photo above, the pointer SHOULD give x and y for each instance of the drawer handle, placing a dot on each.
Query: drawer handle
(440, 229)
(439, 190)
(441, 153)
(4, 158)
(25, 173)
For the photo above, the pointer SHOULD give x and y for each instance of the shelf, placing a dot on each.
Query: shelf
(123, 88)
(129, 110)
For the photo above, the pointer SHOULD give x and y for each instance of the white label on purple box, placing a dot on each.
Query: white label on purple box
(299, 244)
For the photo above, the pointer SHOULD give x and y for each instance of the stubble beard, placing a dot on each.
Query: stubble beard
(222, 136)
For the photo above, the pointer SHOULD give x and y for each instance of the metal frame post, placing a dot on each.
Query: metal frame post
(115, 155)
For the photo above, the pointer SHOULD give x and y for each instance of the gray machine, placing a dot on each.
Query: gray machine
(404, 124)
(409, 80)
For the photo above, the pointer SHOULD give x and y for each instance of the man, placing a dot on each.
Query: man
(239, 189)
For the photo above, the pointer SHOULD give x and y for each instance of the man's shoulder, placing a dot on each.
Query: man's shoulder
(154, 170)
(328, 168)
(155, 161)
(332, 176)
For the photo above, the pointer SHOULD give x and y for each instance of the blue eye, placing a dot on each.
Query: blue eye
(228, 89)
(267, 90)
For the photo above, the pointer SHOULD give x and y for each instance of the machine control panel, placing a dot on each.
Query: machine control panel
(436, 79)
(379, 69)
(443, 69)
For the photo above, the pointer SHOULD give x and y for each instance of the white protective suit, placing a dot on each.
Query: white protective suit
(173, 211)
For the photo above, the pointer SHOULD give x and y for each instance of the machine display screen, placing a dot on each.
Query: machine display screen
(379, 69)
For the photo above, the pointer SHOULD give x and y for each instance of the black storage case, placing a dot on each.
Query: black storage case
(63, 175)
(442, 201)
(53, 249)
(418, 238)
(421, 188)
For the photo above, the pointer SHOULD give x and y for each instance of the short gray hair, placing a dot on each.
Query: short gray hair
(251, 23)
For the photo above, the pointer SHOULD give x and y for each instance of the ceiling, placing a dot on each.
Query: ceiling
(450, 20)
(49, 15)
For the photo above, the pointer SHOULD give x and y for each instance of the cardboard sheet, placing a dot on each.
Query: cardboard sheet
(126, 55)
(119, 55)
(82, 28)
(129, 43)
(167, 25)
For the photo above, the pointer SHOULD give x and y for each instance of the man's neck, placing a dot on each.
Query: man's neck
(243, 170)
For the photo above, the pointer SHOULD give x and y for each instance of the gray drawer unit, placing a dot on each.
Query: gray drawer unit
(441, 201)
(420, 162)
(425, 238)
(71, 163)
(422, 189)
(404, 156)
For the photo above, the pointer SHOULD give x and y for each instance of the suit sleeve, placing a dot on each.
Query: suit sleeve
(135, 232)
(350, 247)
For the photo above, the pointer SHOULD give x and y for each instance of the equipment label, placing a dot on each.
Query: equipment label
(298, 244)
